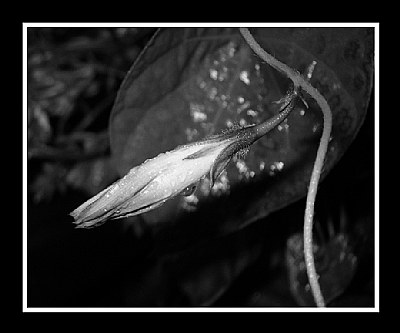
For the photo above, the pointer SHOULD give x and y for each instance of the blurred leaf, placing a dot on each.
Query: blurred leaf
(73, 76)
(76, 146)
(55, 90)
(193, 82)
(209, 270)
(335, 262)
(50, 180)
(200, 275)
(39, 128)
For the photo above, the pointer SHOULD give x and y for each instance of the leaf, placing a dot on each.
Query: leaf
(335, 262)
(194, 82)
(50, 180)
(200, 275)
(208, 270)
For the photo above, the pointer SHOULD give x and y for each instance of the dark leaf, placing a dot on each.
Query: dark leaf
(200, 275)
(192, 82)
(335, 262)
(51, 180)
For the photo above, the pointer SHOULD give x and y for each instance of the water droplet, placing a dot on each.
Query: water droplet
(229, 123)
(188, 191)
(213, 74)
(252, 113)
(231, 50)
(212, 93)
(197, 112)
(242, 122)
(279, 165)
(244, 76)
(202, 84)
(275, 167)
(241, 166)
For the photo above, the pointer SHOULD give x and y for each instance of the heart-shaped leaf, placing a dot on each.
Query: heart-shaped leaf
(193, 82)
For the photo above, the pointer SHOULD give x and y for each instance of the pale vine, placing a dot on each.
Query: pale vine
(300, 81)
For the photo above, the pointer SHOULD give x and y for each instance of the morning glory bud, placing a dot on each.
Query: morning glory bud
(149, 185)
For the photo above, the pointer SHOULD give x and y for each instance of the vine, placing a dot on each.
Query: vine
(300, 81)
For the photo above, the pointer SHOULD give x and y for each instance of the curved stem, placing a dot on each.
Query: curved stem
(299, 81)
(266, 126)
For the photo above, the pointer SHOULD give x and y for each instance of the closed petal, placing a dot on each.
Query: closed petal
(150, 184)
(104, 205)
(147, 186)
(218, 167)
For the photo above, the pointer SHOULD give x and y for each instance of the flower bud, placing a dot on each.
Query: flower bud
(150, 184)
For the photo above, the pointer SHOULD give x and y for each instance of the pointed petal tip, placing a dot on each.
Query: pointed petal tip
(79, 221)
(74, 214)
(81, 224)
(88, 222)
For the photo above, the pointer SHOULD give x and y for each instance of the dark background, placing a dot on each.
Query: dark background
(120, 265)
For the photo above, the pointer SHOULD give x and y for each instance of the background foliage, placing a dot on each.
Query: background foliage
(73, 78)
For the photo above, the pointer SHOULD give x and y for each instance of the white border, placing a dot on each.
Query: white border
(376, 78)
(24, 166)
(208, 24)
(197, 309)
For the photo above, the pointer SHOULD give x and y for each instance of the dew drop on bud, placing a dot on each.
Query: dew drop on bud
(188, 191)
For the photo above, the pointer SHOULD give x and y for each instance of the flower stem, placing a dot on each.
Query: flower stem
(266, 126)
(300, 81)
